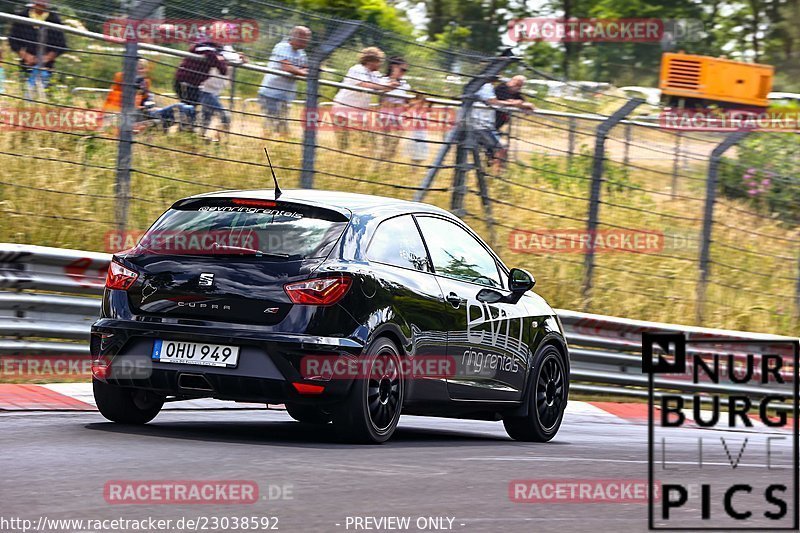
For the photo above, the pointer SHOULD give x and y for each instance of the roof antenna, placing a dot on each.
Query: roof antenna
(278, 191)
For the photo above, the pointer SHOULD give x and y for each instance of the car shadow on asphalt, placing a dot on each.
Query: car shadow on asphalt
(296, 434)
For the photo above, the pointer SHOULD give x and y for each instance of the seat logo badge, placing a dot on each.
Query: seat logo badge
(271, 310)
(206, 280)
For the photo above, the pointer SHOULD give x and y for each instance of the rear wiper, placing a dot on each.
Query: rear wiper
(244, 251)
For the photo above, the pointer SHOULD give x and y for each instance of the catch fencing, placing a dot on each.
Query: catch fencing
(49, 299)
(709, 215)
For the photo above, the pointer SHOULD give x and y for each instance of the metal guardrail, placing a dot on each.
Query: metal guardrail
(605, 351)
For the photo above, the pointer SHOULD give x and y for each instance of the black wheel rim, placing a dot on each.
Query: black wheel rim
(144, 400)
(384, 391)
(550, 392)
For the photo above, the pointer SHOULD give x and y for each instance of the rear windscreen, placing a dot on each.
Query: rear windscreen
(240, 226)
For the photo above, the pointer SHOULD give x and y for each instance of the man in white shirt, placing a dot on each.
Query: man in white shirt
(350, 105)
(277, 92)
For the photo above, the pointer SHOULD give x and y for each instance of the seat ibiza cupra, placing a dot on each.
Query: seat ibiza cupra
(348, 309)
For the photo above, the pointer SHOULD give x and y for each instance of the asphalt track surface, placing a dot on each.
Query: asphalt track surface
(56, 465)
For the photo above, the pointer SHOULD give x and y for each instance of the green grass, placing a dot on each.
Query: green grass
(58, 189)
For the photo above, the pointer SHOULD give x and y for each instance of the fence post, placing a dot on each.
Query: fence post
(127, 118)
(676, 163)
(627, 156)
(343, 31)
(460, 178)
(598, 161)
(708, 217)
(573, 125)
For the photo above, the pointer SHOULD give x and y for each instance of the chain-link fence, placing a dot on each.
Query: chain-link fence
(611, 211)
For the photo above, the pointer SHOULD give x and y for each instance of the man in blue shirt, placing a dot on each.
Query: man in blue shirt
(277, 91)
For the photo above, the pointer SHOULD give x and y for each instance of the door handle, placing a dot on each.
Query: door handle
(454, 300)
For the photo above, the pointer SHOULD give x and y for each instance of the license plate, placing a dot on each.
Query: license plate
(195, 353)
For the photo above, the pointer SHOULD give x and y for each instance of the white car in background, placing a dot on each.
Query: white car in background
(651, 95)
(779, 98)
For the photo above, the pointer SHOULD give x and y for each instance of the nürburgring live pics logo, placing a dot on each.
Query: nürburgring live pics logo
(730, 462)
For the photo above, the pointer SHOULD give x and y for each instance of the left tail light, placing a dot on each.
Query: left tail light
(319, 291)
(120, 277)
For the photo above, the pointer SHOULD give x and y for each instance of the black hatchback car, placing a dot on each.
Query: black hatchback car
(346, 308)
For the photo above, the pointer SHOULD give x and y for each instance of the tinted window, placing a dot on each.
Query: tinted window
(397, 242)
(457, 254)
(262, 228)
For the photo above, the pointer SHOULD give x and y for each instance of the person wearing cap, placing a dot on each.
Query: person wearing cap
(37, 46)
(277, 91)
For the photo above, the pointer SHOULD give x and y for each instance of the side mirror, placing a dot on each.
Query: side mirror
(519, 282)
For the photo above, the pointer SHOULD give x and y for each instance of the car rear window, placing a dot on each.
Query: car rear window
(240, 226)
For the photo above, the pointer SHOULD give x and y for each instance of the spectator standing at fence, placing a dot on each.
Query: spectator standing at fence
(192, 72)
(37, 46)
(393, 106)
(483, 122)
(351, 106)
(418, 111)
(277, 92)
(211, 89)
(510, 91)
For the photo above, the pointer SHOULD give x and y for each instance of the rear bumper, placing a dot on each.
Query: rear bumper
(268, 364)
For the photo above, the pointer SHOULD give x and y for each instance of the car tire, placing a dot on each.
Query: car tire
(308, 414)
(547, 397)
(126, 406)
(372, 409)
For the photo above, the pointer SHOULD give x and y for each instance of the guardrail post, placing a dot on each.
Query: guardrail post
(708, 217)
(596, 188)
(343, 31)
(128, 115)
